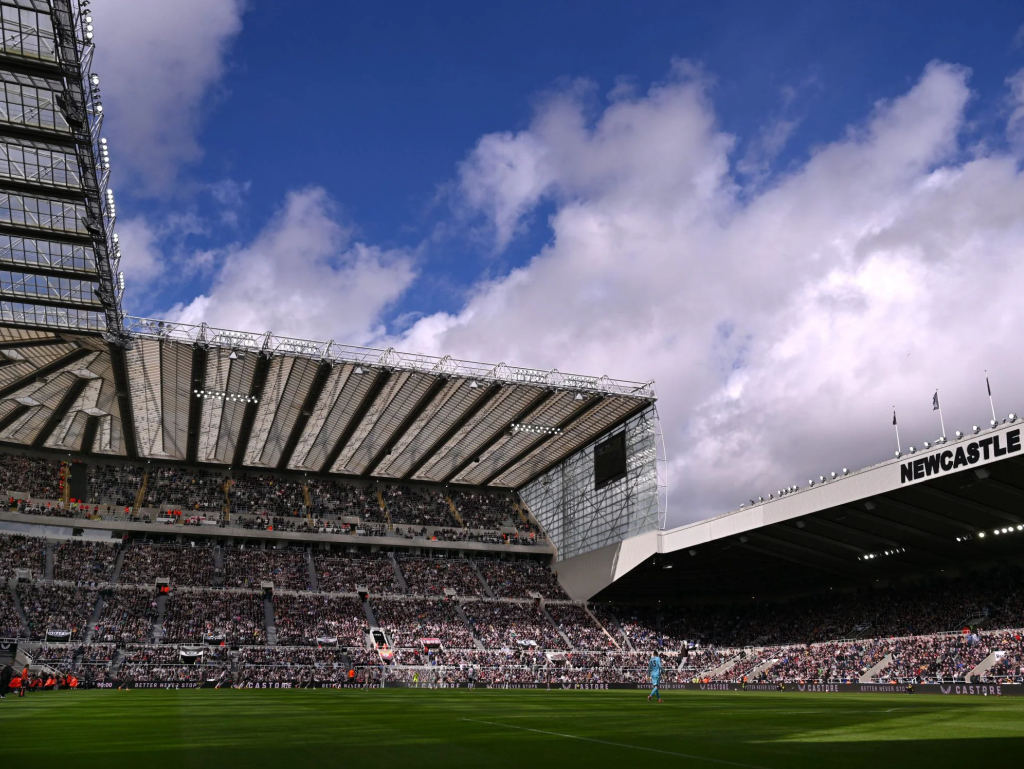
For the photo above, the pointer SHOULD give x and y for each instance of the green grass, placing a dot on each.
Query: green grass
(523, 729)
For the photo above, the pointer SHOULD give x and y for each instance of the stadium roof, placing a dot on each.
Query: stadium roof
(958, 503)
(175, 391)
(77, 375)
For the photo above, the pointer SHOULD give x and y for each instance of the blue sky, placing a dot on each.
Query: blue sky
(697, 193)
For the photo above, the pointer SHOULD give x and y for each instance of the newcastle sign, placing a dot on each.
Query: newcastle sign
(966, 454)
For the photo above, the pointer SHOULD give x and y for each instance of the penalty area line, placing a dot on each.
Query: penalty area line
(616, 744)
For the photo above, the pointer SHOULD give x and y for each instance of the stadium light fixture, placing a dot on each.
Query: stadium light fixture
(1013, 416)
(821, 478)
(898, 453)
(992, 423)
(958, 435)
(981, 535)
(833, 475)
(975, 429)
(927, 445)
(225, 396)
(912, 449)
(535, 429)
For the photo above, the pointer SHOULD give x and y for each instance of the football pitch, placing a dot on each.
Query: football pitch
(491, 729)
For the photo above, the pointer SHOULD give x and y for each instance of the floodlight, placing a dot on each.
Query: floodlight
(975, 429)
(958, 435)
(927, 445)
(94, 79)
(992, 422)
(912, 449)
(897, 453)
(1013, 416)
(981, 534)
(833, 475)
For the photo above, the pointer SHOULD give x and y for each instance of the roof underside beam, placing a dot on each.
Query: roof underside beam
(410, 419)
(381, 379)
(44, 371)
(259, 378)
(775, 554)
(92, 425)
(195, 406)
(119, 367)
(807, 552)
(18, 344)
(13, 416)
(969, 504)
(316, 388)
(536, 403)
(452, 431)
(59, 412)
(565, 424)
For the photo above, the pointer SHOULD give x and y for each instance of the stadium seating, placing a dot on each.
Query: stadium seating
(503, 622)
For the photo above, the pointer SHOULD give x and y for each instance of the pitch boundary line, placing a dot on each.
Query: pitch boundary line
(616, 744)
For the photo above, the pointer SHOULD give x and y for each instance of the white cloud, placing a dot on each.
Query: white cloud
(780, 323)
(157, 61)
(303, 276)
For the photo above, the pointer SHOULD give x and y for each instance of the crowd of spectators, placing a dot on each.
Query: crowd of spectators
(332, 498)
(342, 573)
(18, 552)
(301, 620)
(583, 633)
(263, 493)
(36, 477)
(430, 576)
(50, 607)
(232, 617)
(287, 568)
(501, 624)
(935, 658)
(116, 485)
(416, 505)
(486, 509)
(188, 489)
(84, 562)
(192, 565)
(10, 620)
(517, 579)
(410, 620)
(127, 616)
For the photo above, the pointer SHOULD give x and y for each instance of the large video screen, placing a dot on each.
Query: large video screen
(610, 460)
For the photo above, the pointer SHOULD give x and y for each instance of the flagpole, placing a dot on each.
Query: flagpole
(991, 405)
(894, 424)
(942, 424)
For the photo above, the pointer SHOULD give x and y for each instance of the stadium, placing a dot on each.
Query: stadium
(429, 559)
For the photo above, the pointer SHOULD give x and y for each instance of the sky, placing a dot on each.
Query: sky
(793, 217)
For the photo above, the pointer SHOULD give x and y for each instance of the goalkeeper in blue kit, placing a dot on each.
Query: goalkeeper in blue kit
(654, 668)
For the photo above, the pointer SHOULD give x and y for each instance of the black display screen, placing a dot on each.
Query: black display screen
(610, 460)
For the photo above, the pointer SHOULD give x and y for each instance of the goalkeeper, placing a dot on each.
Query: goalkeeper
(654, 668)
